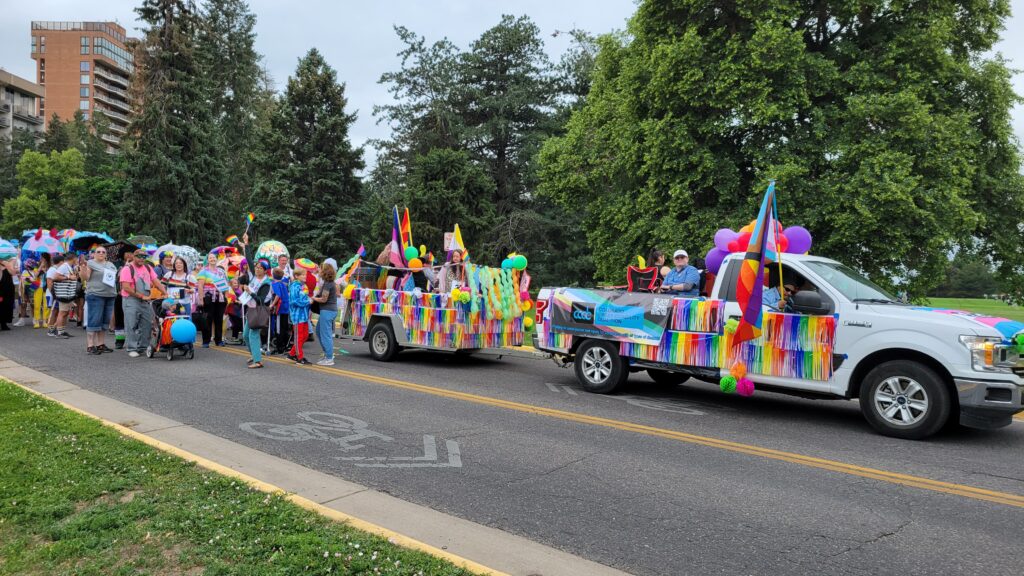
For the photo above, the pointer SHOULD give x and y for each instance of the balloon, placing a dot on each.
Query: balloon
(456, 294)
(783, 243)
(465, 298)
(519, 262)
(748, 229)
(411, 252)
(506, 264)
(799, 239)
(526, 305)
(527, 322)
(415, 263)
(734, 246)
(745, 387)
(724, 237)
(524, 295)
(423, 250)
(744, 241)
(347, 293)
(183, 331)
(714, 258)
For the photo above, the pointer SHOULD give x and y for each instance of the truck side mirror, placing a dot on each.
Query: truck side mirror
(808, 302)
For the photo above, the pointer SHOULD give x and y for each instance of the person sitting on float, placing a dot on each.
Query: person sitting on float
(452, 274)
(683, 280)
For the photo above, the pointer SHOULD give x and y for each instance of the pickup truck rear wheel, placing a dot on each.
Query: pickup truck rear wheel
(905, 399)
(599, 368)
(383, 344)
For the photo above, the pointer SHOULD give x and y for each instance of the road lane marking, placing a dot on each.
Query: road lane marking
(749, 449)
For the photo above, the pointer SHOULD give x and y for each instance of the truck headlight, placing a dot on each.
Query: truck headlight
(989, 354)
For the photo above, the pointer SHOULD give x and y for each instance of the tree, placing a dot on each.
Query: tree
(885, 125)
(10, 153)
(173, 149)
(445, 188)
(56, 136)
(310, 196)
(967, 276)
(238, 86)
(50, 185)
(23, 212)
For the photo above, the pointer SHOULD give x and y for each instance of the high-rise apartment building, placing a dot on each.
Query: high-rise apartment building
(18, 105)
(85, 66)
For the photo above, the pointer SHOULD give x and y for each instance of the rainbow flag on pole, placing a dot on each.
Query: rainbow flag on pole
(750, 284)
(396, 256)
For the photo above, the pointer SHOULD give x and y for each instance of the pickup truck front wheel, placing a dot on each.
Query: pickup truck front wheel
(599, 368)
(905, 399)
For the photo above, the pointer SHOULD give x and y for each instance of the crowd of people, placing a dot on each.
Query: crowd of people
(118, 290)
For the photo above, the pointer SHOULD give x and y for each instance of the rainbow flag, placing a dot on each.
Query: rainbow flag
(750, 284)
(232, 240)
(396, 257)
(406, 230)
(249, 218)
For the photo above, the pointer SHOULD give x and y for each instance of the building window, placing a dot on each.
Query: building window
(83, 79)
(85, 115)
(35, 45)
(42, 76)
(83, 91)
(84, 66)
(42, 44)
(42, 64)
(84, 41)
(83, 104)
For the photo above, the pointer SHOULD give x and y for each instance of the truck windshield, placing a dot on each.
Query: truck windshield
(849, 282)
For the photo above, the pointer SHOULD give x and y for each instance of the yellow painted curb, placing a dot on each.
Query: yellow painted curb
(923, 483)
(336, 515)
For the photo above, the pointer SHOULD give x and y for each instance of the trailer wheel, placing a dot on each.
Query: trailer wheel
(905, 399)
(599, 368)
(383, 345)
(666, 377)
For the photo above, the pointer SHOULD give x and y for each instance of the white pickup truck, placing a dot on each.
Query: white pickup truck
(912, 368)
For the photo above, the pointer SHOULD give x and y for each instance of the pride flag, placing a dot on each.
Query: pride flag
(249, 218)
(750, 284)
(406, 230)
(396, 256)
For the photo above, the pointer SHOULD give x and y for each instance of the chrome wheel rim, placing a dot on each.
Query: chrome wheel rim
(901, 401)
(380, 342)
(597, 364)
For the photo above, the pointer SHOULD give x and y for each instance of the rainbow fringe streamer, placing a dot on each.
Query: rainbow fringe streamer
(791, 346)
(691, 315)
(433, 320)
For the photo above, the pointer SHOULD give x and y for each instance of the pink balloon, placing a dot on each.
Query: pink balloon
(723, 237)
(713, 259)
(799, 239)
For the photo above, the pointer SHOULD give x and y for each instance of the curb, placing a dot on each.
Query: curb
(338, 516)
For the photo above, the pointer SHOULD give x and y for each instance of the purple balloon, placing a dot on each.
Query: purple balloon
(723, 237)
(799, 239)
(713, 259)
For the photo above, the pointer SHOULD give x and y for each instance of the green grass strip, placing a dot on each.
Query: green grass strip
(980, 306)
(78, 498)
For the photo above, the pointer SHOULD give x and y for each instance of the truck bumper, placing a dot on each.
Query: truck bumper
(988, 404)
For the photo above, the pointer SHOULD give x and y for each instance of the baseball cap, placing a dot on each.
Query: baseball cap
(680, 254)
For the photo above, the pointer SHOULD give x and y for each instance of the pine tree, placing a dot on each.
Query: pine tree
(238, 86)
(174, 152)
(56, 137)
(310, 196)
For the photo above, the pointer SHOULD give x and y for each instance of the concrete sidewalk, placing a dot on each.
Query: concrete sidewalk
(478, 544)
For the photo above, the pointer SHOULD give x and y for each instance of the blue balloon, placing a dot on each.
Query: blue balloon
(183, 331)
(506, 264)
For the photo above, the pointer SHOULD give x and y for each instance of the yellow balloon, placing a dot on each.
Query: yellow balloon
(348, 291)
(456, 293)
(527, 322)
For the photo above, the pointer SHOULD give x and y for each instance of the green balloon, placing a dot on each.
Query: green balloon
(519, 262)
(411, 252)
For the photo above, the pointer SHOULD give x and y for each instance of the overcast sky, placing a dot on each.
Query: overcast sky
(358, 41)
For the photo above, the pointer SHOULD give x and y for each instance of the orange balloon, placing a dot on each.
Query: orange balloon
(415, 264)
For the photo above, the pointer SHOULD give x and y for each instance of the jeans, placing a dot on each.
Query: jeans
(138, 324)
(99, 311)
(325, 331)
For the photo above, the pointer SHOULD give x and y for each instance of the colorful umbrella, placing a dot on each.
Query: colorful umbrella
(7, 250)
(270, 250)
(305, 264)
(224, 251)
(83, 241)
(142, 240)
(43, 241)
(190, 255)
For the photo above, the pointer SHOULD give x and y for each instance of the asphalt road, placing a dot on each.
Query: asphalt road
(514, 444)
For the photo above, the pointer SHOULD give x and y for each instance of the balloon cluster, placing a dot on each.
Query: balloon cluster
(792, 240)
(514, 261)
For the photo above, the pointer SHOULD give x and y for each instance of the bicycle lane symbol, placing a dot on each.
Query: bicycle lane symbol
(347, 434)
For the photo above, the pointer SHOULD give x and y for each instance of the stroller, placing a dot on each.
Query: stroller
(163, 342)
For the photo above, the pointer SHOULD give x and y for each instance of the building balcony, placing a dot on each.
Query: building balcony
(108, 61)
(119, 104)
(5, 107)
(111, 88)
(113, 114)
(24, 114)
(112, 76)
(111, 139)
(119, 128)
(5, 122)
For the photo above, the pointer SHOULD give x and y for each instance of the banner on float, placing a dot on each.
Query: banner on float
(621, 316)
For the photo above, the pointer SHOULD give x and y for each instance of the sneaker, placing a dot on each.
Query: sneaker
(37, 325)
(63, 335)
(326, 362)
(293, 358)
(119, 344)
(221, 343)
(303, 362)
(133, 354)
(51, 332)
(206, 344)
(19, 323)
(103, 348)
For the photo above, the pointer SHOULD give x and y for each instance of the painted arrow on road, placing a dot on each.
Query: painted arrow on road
(428, 460)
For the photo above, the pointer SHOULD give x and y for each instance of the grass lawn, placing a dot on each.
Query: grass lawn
(980, 306)
(78, 498)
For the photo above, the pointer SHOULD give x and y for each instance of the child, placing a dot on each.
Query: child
(298, 314)
(282, 328)
(234, 310)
